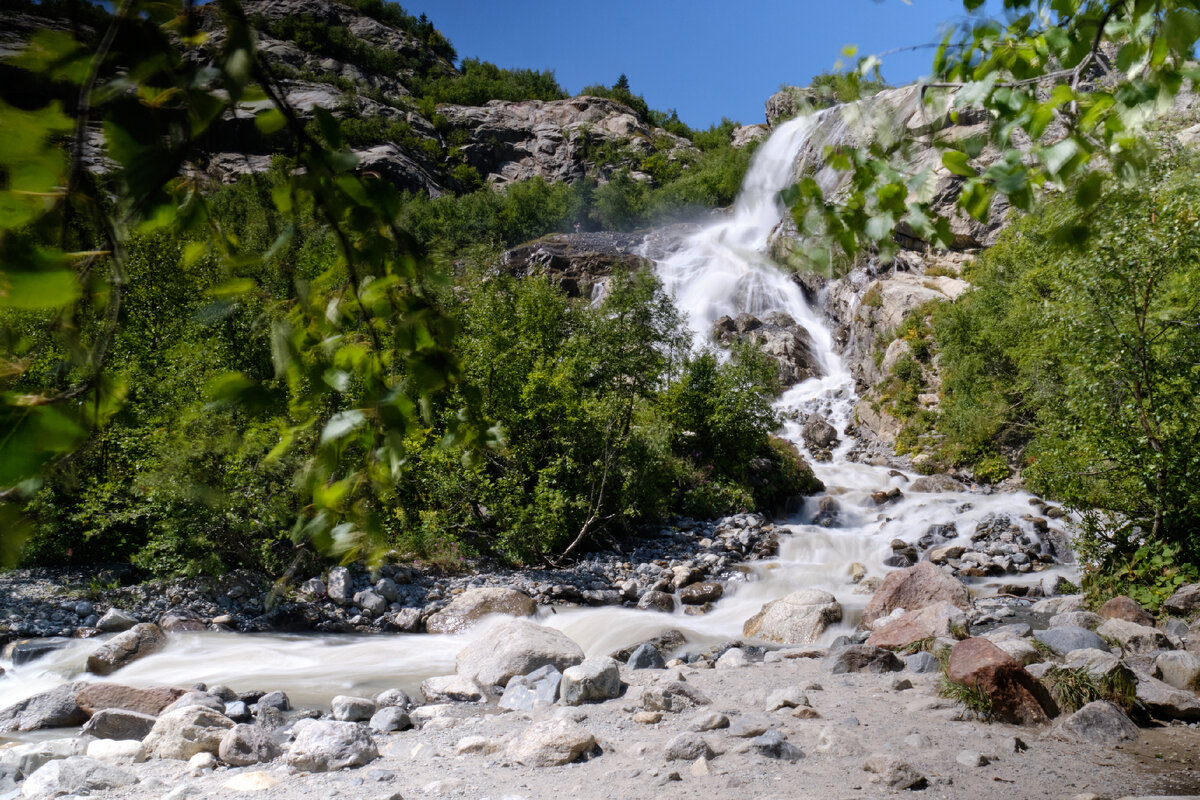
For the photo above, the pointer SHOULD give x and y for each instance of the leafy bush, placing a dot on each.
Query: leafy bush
(1078, 347)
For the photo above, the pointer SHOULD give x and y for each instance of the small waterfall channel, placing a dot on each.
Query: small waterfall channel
(722, 269)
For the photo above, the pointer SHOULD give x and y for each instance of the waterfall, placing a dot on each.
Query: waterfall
(722, 269)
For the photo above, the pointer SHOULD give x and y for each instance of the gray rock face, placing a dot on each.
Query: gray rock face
(551, 743)
(512, 141)
(915, 588)
(1135, 639)
(1177, 668)
(475, 604)
(773, 744)
(184, 732)
(1076, 619)
(922, 663)
(327, 746)
(1185, 601)
(1165, 701)
(687, 747)
(862, 658)
(646, 656)
(673, 696)
(277, 700)
(340, 585)
(388, 719)
(196, 699)
(1099, 722)
(798, 618)
(56, 708)
(538, 688)
(785, 342)
(1099, 663)
(243, 745)
(115, 620)
(76, 775)
(138, 642)
(452, 689)
(112, 723)
(594, 680)
(370, 602)
(700, 593)
(1064, 639)
(352, 709)
(577, 262)
(25, 759)
(819, 434)
(656, 601)
(516, 648)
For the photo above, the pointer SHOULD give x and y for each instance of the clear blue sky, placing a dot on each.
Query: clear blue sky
(705, 58)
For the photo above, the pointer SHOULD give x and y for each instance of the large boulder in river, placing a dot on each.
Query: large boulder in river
(915, 588)
(327, 746)
(99, 696)
(819, 434)
(184, 732)
(1015, 696)
(776, 335)
(138, 642)
(474, 604)
(114, 723)
(516, 648)
(798, 618)
(56, 708)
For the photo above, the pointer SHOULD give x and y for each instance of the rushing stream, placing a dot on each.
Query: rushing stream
(721, 270)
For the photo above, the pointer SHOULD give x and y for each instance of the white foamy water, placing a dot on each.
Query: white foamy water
(721, 270)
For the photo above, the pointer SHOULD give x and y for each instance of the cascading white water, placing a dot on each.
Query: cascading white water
(721, 270)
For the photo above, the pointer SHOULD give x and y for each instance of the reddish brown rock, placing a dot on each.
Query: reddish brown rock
(915, 588)
(152, 701)
(939, 619)
(1128, 609)
(1016, 696)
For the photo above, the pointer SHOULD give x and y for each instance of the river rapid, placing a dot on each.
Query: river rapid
(719, 270)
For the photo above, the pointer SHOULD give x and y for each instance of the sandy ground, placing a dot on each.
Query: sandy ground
(860, 715)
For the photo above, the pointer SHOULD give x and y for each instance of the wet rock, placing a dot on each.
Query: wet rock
(1134, 639)
(389, 719)
(1177, 668)
(237, 711)
(1099, 722)
(352, 709)
(1126, 608)
(665, 642)
(819, 434)
(594, 680)
(243, 745)
(516, 648)
(551, 743)
(184, 732)
(276, 700)
(673, 696)
(883, 497)
(138, 642)
(700, 593)
(452, 689)
(113, 723)
(115, 620)
(56, 708)
(328, 745)
(475, 604)
(940, 555)
(646, 656)
(1016, 696)
(538, 688)
(77, 775)
(798, 618)
(936, 483)
(913, 589)
(656, 601)
(939, 619)
(687, 747)
(779, 338)
(27, 652)
(1185, 601)
(1064, 639)
(862, 658)
(182, 621)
